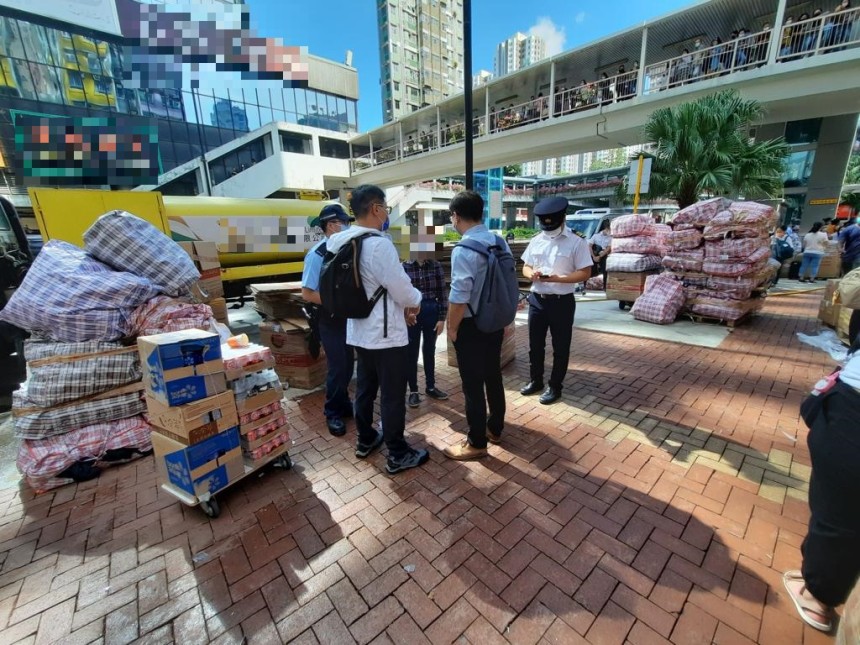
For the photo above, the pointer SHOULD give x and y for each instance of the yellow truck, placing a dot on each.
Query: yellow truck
(258, 240)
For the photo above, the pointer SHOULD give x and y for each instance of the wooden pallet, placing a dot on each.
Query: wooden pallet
(731, 324)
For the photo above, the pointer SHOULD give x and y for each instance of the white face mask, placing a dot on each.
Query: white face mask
(555, 232)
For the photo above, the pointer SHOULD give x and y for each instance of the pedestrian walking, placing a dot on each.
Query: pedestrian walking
(814, 246)
(428, 276)
(555, 261)
(478, 353)
(831, 559)
(380, 338)
(330, 329)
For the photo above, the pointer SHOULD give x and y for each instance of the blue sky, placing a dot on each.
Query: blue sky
(329, 27)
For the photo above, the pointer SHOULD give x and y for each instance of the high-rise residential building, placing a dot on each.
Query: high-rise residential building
(421, 53)
(481, 78)
(517, 52)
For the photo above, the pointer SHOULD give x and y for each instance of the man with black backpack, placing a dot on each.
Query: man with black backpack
(781, 249)
(555, 261)
(363, 280)
(483, 301)
(332, 329)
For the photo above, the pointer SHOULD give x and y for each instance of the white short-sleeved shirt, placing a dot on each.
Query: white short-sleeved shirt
(559, 255)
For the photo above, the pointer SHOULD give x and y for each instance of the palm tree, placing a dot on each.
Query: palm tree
(704, 147)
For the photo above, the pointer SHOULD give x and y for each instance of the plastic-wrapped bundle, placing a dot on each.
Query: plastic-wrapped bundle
(131, 244)
(237, 358)
(725, 309)
(252, 384)
(164, 314)
(683, 240)
(741, 248)
(62, 372)
(733, 268)
(595, 283)
(689, 278)
(69, 297)
(42, 461)
(753, 212)
(689, 260)
(643, 244)
(700, 213)
(631, 262)
(740, 222)
(661, 232)
(661, 301)
(631, 225)
(727, 292)
(34, 422)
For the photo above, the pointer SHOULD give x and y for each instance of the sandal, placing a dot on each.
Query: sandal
(807, 609)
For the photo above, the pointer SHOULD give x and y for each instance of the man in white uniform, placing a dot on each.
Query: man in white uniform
(555, 261)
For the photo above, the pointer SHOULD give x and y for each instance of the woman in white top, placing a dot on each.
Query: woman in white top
(814, 245)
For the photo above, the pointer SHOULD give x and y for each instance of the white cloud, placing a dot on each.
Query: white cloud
(579, 18)
(552, 35)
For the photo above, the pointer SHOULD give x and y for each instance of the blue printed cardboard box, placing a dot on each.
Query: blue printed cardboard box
(183, 366)
(204, 467)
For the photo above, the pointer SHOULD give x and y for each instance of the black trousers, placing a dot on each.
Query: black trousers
(553, 314)
(340, 362)
(478, 358)
(831, 549)
(425, 328)
(854, 326)
(382, 371)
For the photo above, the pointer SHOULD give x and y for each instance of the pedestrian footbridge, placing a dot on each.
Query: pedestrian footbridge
(598, 96)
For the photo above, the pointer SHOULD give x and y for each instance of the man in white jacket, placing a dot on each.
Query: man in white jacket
(381, 340)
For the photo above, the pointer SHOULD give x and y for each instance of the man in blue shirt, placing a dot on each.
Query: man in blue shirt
(478, 353)
(849, 241)
(332, 219)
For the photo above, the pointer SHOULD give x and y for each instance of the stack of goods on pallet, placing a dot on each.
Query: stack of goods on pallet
(259, 401)
(719, 251)
(195, 433)
(210, 286)
(636, 254)
(509, 346)
(299, 358)
(82, 406)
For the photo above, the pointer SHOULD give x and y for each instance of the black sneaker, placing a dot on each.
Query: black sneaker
(414, 400)
(436, 393)
(362, 450)
(410, 459)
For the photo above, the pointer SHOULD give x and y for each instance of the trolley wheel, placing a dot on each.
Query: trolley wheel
(283, 462)
(211, 507)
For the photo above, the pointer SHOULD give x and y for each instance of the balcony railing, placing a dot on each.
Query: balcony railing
(823, 34)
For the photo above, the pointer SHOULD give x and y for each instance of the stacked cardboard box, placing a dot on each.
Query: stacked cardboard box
(205, 256)
(262, 422)
(831, 263)
(278, 299)
(626, 287)
(290, 342)
(195, 434)
(509, 345)
(828, 312)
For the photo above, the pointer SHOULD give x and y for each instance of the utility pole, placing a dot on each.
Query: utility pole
(467, 94)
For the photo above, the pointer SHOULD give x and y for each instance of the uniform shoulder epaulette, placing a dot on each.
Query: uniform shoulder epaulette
(320, 250)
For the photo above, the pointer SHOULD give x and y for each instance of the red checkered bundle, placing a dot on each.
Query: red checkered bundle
(700, 213)
(661, 301)
(632, 225)
(740, 248)
(690, 260)
(725, 309)
(642, 244)
(684, 239)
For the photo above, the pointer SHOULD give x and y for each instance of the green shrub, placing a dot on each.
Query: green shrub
(522, 233)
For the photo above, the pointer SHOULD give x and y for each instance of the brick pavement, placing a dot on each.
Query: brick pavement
(659, 503)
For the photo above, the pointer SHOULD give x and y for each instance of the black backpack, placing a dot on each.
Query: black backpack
(500, 293)
(341, 287)
(784, 250)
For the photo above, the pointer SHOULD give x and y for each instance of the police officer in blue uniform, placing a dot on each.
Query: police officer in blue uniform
(332, 331)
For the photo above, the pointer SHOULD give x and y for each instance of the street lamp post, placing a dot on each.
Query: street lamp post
(467, 94)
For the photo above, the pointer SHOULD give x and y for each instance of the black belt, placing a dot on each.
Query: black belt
(554, 296)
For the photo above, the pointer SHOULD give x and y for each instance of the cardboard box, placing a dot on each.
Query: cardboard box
(288, 340)
(843, 323)
(194, 422)
(828, 313)
(244, 406)
(262, 461)
(508, 348)
(250, 426)
(219, 310)
(205, 256)
(624, 286)
(830, 267)
(251, 444)
(183, 366)
(205, 467)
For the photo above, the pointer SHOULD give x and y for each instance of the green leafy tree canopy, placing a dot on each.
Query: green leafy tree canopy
(703, 147)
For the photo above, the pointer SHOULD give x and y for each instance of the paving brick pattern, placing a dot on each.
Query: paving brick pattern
(659, 502)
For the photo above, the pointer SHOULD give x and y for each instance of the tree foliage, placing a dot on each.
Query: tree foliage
(703, 147)
(514, 170)
(852, 176)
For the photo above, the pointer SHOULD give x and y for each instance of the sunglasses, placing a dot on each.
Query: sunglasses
(386, 207)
